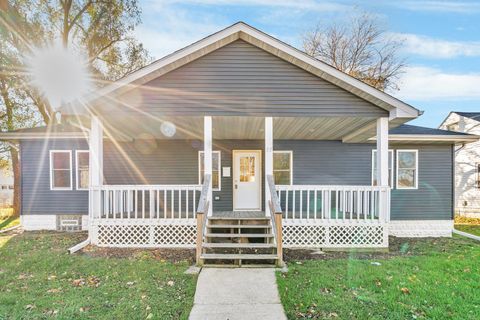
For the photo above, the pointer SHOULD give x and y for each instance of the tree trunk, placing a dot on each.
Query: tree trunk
(16, 182)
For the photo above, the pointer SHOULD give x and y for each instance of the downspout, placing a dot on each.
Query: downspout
(86, 242)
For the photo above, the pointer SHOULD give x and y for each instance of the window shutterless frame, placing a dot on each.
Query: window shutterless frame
(374, 156)
(415, 151)
(77, 169)
(200, 153)
(52, 187)
(290, 166)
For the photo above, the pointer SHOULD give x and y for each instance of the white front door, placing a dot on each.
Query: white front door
(247, 180)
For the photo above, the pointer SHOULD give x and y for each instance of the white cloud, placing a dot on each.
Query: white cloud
(424, 83)
(439, 6)
(438, 48)
(166, 29)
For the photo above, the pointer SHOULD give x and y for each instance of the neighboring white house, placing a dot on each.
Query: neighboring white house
(6, 188)
(467, 163)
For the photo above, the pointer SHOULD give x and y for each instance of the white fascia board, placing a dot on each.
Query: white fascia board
(438, 138)
(37, 136)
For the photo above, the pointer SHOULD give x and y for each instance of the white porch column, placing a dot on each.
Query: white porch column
(207, 160)
(95, 172)
(382, 151)
(268, 159)
(382, 164)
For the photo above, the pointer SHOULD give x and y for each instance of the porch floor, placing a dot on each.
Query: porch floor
(238, 214)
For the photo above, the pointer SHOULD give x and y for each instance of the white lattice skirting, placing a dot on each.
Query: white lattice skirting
(335, 235)
(145, 233)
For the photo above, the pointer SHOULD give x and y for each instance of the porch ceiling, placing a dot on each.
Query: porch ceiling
(250, 128)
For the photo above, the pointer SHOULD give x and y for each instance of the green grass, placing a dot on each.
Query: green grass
(469, 228)
(425, 279)
(38, 279)
(9, 222)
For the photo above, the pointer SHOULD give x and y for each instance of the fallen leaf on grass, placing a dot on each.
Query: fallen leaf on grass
(54, 290)
(405, 290)
(78, 282)
(29, 307)
(170, 283)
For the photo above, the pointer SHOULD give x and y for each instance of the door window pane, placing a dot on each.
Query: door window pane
(247, 169)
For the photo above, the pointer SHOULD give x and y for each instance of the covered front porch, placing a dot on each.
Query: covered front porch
(318, 214)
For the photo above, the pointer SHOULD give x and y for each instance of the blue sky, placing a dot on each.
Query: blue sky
(442, 38)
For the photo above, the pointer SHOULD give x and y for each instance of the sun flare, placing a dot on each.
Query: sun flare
(60, 74)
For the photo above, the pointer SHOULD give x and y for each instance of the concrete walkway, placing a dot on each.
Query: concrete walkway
(234, 294)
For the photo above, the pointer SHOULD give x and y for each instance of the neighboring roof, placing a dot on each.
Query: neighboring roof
(241, 30)
(54, 131)
(471, 115)
(410, 129)
(408, 133)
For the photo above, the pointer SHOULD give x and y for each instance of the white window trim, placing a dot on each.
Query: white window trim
(219, 169)
(391, 165)
(415, 187)
(51, 170)
(291, 165)
(76, 168)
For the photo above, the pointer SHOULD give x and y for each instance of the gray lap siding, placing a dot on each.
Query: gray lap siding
(176, 162)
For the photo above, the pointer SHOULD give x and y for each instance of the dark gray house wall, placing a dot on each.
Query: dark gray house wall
(241, 79)
(176, 162)
(37, 198)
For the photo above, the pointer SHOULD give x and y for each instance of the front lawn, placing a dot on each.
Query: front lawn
(38, 279)
(469, 228)
(418, 279)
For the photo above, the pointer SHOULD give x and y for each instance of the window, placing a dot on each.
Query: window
(407, 169)
(282, 167)
(216, 163)
(82, 173)
(60, 170)
(390, 167)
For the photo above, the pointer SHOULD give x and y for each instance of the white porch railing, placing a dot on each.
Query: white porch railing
(334, 216)
(143, 215)
(317, 202)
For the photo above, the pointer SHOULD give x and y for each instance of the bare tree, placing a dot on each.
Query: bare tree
(360, 48)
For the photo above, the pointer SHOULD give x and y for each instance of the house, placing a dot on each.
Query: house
(467, 163)
(239, 136)
(6, 188)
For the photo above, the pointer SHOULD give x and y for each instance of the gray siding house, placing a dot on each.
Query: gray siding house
(239, 126)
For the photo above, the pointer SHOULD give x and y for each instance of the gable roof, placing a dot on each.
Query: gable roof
(241, 30)
(471, 115)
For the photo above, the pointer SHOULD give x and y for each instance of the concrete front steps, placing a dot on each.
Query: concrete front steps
(235, 241)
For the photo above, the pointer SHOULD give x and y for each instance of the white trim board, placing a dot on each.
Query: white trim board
(241, 30)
